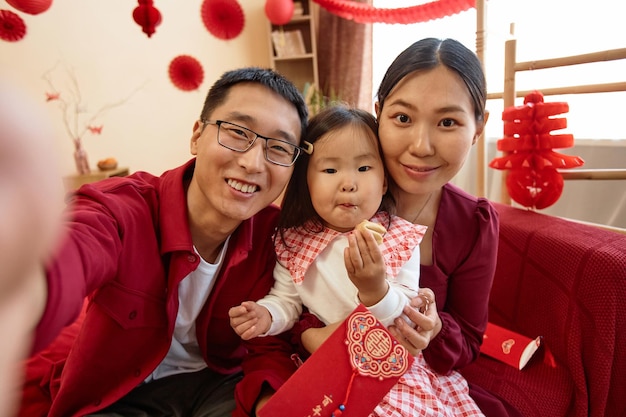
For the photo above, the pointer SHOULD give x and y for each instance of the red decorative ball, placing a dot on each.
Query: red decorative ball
(279, 12)
(31, 6)
(535, 188)
(12, 27)
(186, 72)
(223, 19)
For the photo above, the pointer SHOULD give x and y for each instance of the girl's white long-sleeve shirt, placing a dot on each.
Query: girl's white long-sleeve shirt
(311, 271)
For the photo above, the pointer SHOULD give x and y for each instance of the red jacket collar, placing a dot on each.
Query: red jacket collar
(173, 220)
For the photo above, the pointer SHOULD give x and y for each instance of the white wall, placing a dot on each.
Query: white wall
(112, 57)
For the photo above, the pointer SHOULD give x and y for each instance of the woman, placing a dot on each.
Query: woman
(431, 110)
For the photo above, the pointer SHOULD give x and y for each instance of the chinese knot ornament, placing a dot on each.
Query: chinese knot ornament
(533, 180)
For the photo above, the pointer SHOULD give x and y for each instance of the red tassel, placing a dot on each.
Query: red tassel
(342, 407)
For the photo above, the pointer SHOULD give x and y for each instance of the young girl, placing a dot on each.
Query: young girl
(345, 180)
(323, 262)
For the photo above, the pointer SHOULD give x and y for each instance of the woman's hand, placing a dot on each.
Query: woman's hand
(422, 311)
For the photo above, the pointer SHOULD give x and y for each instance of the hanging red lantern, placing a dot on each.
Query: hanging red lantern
(533, 180)
(186, 72)
(279, 12)
(12, 27)
(224, 19)
(31, 6)
(147, 16)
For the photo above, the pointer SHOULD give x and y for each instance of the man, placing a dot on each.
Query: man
(161, 260)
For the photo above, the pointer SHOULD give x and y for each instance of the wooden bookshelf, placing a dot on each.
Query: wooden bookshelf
(293, 49)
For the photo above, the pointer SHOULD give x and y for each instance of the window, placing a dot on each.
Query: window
(544, 29)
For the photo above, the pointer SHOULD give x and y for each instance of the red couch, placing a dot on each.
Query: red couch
(564, 281)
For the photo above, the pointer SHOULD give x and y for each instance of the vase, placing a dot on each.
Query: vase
(80, 158)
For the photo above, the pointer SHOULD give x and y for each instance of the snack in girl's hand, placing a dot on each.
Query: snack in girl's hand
(374, 228)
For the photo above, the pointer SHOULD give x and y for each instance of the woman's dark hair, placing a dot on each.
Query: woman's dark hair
(429, 53)
(264, 76)
(297, 208)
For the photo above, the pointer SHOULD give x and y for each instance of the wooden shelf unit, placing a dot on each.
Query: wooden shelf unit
(301, 69)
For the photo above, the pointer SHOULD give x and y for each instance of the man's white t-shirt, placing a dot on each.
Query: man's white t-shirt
(184, 354)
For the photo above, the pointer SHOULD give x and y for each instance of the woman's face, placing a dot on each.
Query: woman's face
(426, 129)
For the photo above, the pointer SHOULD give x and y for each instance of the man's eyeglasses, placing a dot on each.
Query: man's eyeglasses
(240, 139)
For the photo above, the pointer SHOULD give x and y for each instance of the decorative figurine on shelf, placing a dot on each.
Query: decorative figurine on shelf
(533, 180)
(73, 109)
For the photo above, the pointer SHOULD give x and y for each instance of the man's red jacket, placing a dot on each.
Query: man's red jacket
(127, 249)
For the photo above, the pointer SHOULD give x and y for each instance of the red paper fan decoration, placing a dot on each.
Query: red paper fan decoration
(31, 6)
(223, 18)
(12, 27)
(186, 72)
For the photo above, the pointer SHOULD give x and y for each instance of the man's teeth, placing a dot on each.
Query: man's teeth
(244, 188)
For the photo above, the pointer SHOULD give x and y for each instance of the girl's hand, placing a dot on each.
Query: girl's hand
(366, 267)
(423, 312)
(250, 320)
(314, 337)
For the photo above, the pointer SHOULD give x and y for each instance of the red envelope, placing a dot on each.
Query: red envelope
(354, 368)
(508, 346)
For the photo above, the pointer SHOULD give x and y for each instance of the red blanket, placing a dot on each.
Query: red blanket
(564, 281)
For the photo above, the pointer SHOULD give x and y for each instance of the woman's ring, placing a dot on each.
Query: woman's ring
(427, 301)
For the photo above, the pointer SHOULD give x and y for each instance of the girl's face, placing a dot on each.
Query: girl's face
(426, 130)
(346, 177)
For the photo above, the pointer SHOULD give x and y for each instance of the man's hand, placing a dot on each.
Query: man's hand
(31, 200)
(250, 320)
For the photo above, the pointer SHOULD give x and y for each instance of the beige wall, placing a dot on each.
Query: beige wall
(112, 57)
